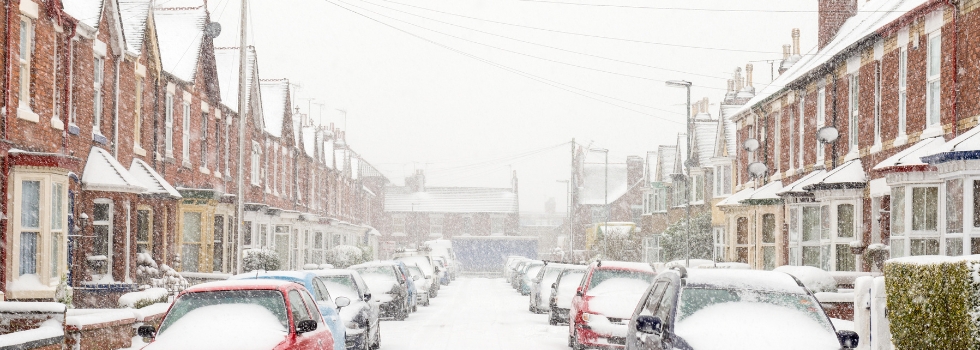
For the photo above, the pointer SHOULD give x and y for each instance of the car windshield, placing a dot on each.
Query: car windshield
(421, 261)
(550, 273)
(570, 280)
(415, 271)
(341, 286)
(377, 272)
(602, 275)
(271, 300)
(693, 300)
(532, 271)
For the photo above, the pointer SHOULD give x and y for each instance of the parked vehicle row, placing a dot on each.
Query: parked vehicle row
(328, 309)
(626, 305)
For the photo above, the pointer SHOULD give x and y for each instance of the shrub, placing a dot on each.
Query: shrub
(260, 259)
(934, 302)
(674, 239)
(343, 256)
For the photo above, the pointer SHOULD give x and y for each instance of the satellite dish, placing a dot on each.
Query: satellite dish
(212, 30)
(750, 145)
(827, 134)
(757, 169)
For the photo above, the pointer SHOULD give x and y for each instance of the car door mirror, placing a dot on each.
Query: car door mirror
(578, 292)
(428, 276)
(342, 302)
(415, 277)
(649, 324)
(554, 286)
(305, 326)
(367, 296)
(147, 331)
(848, 339)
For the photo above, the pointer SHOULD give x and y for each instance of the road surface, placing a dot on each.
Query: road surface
(474, 313)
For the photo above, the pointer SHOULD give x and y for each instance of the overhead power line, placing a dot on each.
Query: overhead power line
(585, 34)
(700, 9)
(546, 46)
(578, 91)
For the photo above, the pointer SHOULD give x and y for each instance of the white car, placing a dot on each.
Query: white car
(422, 284)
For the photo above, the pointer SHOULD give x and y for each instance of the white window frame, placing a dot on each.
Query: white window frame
(109, 224)
(168, 138)
(933, 81)
(877, 111)
(903, 63)
(652, 249)
(186, 134)
(25, 56)
(853, 104)
(821, 121)
(138, 115)
(763, 244)
(98, 80)
(801, 127)
(46, 255)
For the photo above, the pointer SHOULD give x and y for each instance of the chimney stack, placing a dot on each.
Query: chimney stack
(786, 51)
(748, 74)
(731, 85)
(796, 41)
(739, 82)
(831, 16)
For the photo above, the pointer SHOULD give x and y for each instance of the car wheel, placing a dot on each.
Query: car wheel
(552, 318)
(377, 339)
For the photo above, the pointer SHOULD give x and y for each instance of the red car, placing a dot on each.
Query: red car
(242, 314)
(604, 302)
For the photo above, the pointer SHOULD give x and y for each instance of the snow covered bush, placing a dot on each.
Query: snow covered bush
(64, 293)
(146, 270)
(934, 302)
(150, 296)
(674, 239)
(342, 256)
(150, 275)
(260, 259)
(170, 280)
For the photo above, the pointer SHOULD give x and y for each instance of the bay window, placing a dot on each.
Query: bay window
(810, 224)
(191, 241)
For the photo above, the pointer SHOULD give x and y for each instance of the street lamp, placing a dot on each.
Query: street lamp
(605, 223)
(568, 190)
(687, 164)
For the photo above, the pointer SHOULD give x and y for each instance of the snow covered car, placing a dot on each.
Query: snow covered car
(516, 275)
(410, 286)
(424, 263)
(530, 270)
(510, 265)
(541, 287)
(245, 314)
(328, 307)
(604, 302)
(702, 309)
(562, 292)
(361, 316)
(388, 287)
(444, 248)
(440, 265)
(421, 284)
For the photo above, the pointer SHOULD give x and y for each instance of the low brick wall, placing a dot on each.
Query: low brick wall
(109, 329)
(22, 316)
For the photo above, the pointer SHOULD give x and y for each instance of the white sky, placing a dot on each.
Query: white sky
(414, 105)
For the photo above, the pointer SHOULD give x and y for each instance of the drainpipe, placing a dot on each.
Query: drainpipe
(955, 66)
(115, 112)
(7, 72)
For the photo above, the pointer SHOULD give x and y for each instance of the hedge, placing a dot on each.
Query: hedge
(934, 302)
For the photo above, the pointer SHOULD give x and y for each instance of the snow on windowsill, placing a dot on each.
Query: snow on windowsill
(876, 147)
(48, 329)
(57, 124)
(932, 131)
(27, 114)
(901, 140)
(28, 283)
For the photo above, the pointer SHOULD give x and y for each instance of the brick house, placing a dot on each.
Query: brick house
(889, 77)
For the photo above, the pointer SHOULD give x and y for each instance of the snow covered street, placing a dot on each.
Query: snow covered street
(474, 313)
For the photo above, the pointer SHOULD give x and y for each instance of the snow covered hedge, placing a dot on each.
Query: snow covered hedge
(934, 302)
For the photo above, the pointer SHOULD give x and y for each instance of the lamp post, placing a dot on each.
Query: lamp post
(568, 208)
(687, 164)
(605, 198)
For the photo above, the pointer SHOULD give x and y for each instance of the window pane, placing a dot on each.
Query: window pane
(954, 246)
(825, 222)
(811, 223)
(768, 228)
(55, 258)
(30, 212)
(101, 212)
(190, 257)
(934, 55)
(768, 258)
(28, 253)
(934, 104)
(954, 206)
(742, 230)
(845, 220)
(794, 256)
(974, 245)
(924, 207)
(976, 203)
(142, 225)
(825, 257)
(794, 226)
(898, 211)
(928, 246)
(247, 233)
(191, 248)
(57, 206)
(811, 256)
(219, 246)
(898, 248)
(263, 235)
(845, 260)
(192, 228)
(742, 255)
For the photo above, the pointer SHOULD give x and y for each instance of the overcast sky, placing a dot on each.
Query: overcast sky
(479, 88)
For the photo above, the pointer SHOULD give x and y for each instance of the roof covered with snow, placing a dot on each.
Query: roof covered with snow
(680, 155)
(274, 105)
(798, 185)
(725, 144)
(666, 156)
(180, 31)
(88, 12)
(134, 14)
(736, 198)
(104, 173)
(871, 16)
(911, 156)
(226, 60)
(452, 200)
(149, 178)
(766, 193)
(593, 187)
(965, 146)
(309, 141)
(705, 136)
(848, 175)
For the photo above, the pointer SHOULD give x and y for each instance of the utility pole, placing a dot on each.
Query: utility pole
(571, 203)
(240, 197)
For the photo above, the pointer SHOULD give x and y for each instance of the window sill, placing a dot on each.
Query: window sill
(57, 124)
(851, 155)
(186, 164)
(931, 131)
(139, 150)
(900, 141)
(73, 129)
(27, 114)
(204, 170)
(169, 159)
(217, 174)
(876, 147)
(97, 137)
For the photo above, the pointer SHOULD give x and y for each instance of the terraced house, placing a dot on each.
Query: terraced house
(894, 78)
(120, 136)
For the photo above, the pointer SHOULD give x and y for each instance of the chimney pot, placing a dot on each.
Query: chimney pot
(748, 74)
(731, 85)
(796, 41)
(786, 51)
